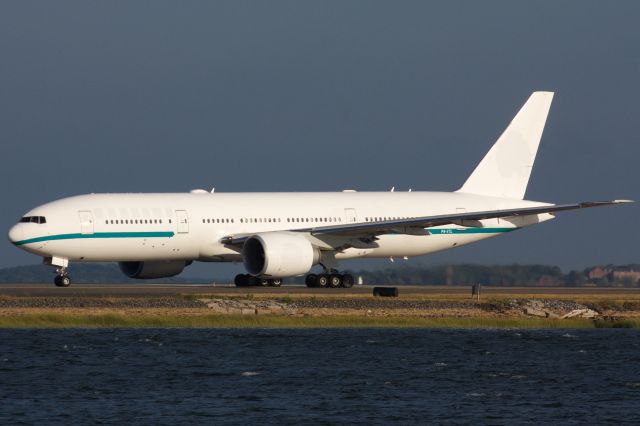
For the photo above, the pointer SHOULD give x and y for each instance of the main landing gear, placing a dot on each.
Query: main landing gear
(62, 279)
(245, 280)
(332, 280)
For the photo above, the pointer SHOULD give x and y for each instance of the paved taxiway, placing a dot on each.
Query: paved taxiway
(160, 290)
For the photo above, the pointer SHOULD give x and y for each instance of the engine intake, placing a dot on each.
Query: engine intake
(157, 269)
(279, 255)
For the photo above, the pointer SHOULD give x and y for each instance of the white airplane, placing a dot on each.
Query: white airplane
(278, 235)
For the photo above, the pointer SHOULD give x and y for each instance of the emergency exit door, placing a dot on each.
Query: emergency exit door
(86, 222)
(350, 215)
(183, 221)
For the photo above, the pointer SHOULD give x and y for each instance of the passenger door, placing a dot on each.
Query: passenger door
(183, 221)
(86, 222)
(350, 215)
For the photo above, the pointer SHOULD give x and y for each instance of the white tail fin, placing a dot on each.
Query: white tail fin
(505, 170)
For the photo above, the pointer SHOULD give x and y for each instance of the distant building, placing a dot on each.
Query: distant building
(614, 274)
(632, 276)
(597, 273)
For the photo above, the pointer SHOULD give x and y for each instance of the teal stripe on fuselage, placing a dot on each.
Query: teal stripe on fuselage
(461, 231)
(457, 231)
(96, 235)
(435, 231)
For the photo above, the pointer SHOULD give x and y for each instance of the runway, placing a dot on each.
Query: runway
(164, 290)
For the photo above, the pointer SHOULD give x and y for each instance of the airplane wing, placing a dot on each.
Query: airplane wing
(417, 225)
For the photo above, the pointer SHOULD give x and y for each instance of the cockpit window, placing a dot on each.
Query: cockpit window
(33, 219)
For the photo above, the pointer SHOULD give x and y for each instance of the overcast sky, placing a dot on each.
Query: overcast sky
(294, 96)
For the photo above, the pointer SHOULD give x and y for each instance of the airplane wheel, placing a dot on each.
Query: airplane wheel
(62, 281)
(241, 280)
(347, 281)
(335, 280)
(310, 280)
(322, 280)
(276, 282)
(264, 282)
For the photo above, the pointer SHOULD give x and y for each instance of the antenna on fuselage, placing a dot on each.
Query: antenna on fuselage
(213, 189)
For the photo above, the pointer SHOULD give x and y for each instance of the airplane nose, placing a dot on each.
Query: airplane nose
(15, 233)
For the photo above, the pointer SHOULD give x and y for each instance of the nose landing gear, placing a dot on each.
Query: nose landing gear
(62, 279)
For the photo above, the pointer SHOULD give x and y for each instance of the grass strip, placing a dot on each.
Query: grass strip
(114, 320)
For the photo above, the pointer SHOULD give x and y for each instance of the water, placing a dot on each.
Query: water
(319, 376)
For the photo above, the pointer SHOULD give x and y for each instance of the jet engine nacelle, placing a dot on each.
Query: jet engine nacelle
(279, 255)
(156, 269)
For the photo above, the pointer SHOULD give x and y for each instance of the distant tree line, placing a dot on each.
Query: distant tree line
(503, 275)
(461, 274)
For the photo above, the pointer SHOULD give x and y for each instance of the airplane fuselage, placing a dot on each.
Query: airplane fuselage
(190, 226)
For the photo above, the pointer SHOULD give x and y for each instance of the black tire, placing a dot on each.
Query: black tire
(241, 280)
(335, 280)
(347, 281)
(310, 280)
(276, 282)
(322, 280)
(62, 281)
(264, 282)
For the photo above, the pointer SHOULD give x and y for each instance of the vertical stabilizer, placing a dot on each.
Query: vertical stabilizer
(505, 170)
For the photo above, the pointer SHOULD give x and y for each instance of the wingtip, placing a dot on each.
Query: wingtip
(623, 201)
